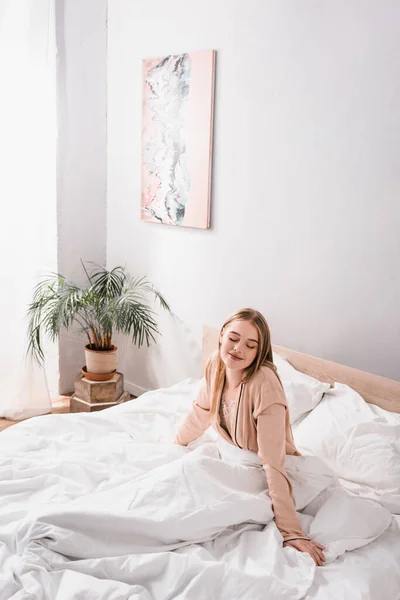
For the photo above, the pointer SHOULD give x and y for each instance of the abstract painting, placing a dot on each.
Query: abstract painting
(178, 102)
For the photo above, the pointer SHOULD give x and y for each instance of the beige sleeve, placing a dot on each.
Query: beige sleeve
(271, 440)
(198, 420)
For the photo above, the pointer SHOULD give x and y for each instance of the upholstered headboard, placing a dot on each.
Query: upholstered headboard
(377, 390)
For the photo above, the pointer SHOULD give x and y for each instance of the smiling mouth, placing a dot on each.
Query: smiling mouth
(234, 357)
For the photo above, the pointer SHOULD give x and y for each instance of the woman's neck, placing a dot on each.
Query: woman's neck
(233, 378)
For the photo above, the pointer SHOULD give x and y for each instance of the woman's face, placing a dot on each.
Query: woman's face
(239, 344)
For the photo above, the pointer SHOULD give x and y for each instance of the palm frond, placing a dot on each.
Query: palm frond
(108, 284)
(144, 286)
(86, 272)
(55, 305)
(136, 318)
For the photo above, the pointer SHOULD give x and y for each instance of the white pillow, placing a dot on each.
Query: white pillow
(303, 392)
(360, 446)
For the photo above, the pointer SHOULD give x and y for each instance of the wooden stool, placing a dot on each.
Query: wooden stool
(91, 396)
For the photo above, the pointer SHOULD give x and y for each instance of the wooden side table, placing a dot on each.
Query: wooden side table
(91, 396)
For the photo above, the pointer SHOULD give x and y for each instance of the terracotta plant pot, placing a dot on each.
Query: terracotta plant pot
(101, 361)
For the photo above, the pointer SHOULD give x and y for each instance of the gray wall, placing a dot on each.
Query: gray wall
(306, 211)
(82, 148)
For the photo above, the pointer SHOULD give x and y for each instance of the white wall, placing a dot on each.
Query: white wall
(305, 211)
(82, 171)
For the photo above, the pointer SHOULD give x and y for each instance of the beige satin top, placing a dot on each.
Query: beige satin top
(261, 424)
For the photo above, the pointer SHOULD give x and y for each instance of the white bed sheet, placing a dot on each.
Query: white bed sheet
(67, 532)
(369, 573)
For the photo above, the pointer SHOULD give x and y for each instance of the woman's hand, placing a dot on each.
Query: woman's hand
(314, 549)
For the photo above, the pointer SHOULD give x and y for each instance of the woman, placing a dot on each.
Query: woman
(243, 399)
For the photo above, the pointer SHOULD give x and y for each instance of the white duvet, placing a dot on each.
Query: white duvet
(102, 506)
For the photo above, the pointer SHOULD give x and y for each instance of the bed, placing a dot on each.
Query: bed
(102, 505)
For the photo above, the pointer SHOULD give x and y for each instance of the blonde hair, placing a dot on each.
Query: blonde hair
(264, 357)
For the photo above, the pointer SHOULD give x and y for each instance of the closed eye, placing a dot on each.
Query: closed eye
(249, 347)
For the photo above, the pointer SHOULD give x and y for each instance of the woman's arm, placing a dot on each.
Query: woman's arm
(271, 438)
(198, 420)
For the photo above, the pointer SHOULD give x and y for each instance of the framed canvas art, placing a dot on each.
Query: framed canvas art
(177, 129)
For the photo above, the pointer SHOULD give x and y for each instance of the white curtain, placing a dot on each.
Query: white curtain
(28, 240)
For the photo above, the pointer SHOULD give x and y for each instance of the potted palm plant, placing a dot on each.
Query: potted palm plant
(112, 302)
